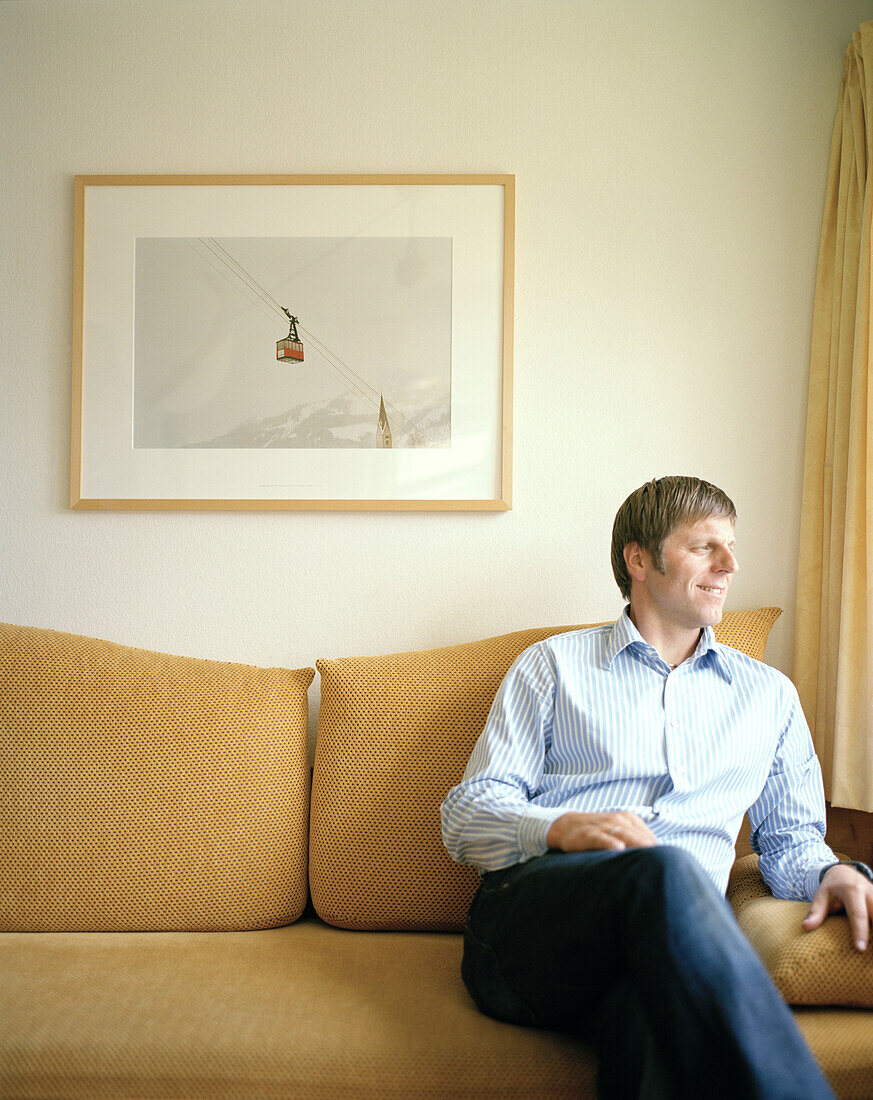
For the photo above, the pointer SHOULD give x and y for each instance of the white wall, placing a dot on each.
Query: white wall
(670, 160)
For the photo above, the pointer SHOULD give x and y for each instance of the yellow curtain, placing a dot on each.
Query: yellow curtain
(833, 652)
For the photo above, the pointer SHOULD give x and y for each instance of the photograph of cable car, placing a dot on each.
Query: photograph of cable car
(292, 342)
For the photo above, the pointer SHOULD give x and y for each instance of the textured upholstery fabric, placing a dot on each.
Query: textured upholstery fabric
(394, 735)
(305, 1012)
(748, 631)
(808, 968)
(145, 791)
(299, 1013)
(842, 1042)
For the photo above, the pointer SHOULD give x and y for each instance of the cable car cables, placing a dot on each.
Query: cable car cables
(348, 375)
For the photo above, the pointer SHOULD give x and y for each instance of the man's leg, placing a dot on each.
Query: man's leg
(629, 1061)
(548, 940)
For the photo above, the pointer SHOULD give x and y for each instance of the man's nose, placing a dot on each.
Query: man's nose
(728, 562)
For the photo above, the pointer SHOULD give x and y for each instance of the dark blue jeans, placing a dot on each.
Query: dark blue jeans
(638, 951)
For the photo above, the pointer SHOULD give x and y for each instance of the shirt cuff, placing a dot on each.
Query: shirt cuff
(532, 830)
(813, 879)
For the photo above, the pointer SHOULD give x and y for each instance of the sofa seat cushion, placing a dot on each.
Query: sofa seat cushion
(145, 791)
(808, 968)
(842, 1042)
(394, 735)
(304, 1012)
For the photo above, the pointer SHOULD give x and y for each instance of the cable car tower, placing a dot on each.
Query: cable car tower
(291, 347)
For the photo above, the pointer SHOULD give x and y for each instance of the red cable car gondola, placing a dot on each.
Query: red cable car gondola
(292, 346)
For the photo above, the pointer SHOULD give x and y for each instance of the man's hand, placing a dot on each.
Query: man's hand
(844, 888)
(578, 832)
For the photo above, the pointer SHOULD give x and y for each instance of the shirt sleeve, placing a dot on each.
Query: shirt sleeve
(488, 819)
(788, 819)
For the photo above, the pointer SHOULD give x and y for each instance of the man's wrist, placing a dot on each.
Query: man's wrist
(861, 868)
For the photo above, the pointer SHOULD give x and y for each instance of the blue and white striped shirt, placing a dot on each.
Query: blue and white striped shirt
(595, 720)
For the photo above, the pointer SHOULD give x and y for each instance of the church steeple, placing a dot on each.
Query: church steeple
(383, 431)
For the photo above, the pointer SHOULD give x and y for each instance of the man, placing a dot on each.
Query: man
(602, 803)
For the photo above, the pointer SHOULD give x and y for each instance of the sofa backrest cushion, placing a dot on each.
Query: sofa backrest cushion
(394, 735)
(143, 791)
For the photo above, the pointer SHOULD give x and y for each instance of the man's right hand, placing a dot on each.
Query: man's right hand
(578, 832)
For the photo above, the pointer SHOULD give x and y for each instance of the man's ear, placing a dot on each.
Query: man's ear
(635, 561)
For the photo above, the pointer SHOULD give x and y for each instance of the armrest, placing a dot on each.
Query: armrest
(808, 968)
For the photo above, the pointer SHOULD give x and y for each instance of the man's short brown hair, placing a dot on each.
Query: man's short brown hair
(652, 512)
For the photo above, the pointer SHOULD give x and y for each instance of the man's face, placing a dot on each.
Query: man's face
(698, 561)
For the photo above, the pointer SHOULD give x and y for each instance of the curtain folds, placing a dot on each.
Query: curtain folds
(833, 653)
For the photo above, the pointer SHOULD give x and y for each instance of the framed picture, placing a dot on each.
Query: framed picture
(292, 342)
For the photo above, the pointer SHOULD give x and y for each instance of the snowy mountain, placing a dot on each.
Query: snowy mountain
(340, 422)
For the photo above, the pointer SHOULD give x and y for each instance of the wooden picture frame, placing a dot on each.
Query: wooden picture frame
(388, 301)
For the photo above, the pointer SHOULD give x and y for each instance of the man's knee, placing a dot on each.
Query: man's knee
(668, 882)
(673, 867)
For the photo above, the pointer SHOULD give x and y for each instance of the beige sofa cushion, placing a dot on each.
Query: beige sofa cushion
(394, 735)
(145, 791)
(300, 1013)
(808, 968)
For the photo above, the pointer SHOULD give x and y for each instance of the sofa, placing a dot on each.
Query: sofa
(188, 910)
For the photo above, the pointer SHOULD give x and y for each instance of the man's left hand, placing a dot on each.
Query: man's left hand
(844, 888)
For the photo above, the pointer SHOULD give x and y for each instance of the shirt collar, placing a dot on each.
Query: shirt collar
(624, 635)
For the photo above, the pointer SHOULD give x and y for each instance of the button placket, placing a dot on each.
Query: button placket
(671, 734)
